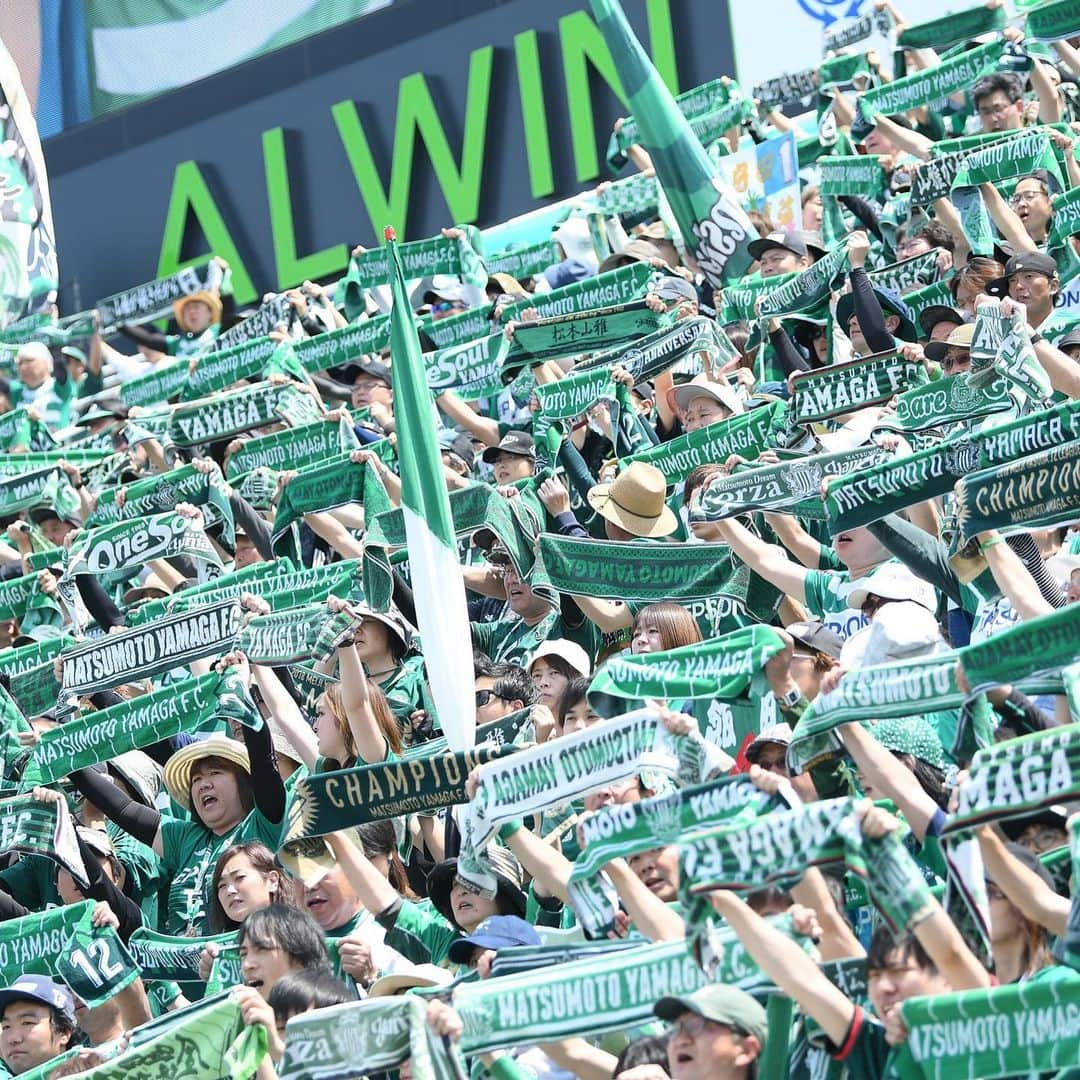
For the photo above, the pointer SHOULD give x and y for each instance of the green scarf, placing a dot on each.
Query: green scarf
(842, 71)
(95, 963)
(335, 348)
(740, 298)
(1013, 355)
(26, 657)
(145, 651)
(49, 486)
(523, 261)
(915, 272)
(15, 595)
(921, 299)
(317, 488)
(723, 667)
(784, 90)
(883, 489)
(42, 829)
(35, 690)
(1054, 22)
(29, 944)
(576, 394)
(862, 175)
(933, 179)
(155, 299)
(1035, 491)
(322, 803)
(904, 688)
(162, 956)
(221, 368)
(623, 285)
(807, 289)
(222, 415)
(587, 997)
(382, 1033)
(293, 634)
(635, 570)
(18, 430)
(948, 30)
(1066, 220)
(419, 258)
(747, 434)
(1018, 777)
(622, 831)
(457, 329)
(632, 196)
(926, 87)
(848, 33)
(1044, 644)
(165, 381)
(472, 369)
(1023, 1029)
(295, 448)
(663, 349)
(943, 402)
(857, 384)
(692, 103)
(134, 543)
(559, 336)
(129, 725)
(274, 310)
(794, 486)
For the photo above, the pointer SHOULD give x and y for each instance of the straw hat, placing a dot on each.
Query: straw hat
(635, 501)
(203, 297)
(178, 767)
(415, 975)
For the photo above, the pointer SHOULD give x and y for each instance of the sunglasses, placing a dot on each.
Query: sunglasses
(484, 696)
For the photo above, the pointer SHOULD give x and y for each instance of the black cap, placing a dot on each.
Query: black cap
(930, 316)
(1034, 262)
(817, 637)
(458, 444)
(513, 442)
(801, 243)
(368, 365)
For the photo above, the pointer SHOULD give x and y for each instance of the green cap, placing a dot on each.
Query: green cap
(720, 1004)
(912, 735)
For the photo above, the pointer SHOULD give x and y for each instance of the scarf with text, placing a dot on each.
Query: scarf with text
(335, 348)
(162, 956)
(1054, 22)
(292, 634)
(777, 848)
(323, 803)
(294, 448)
(739, 301)
(948, 30)
(747, 435)
(843, 70)
(623, 285)
(29, 944)
(164, 381)
(1066, 219)
(437, 255)
(1047, 643)
(622, 831)
(218, 369)
(724, 667)
(382, 1033)
(326, 486)
(862, 175)
(472, 369)
(231, 413)
(267, 317)
(587, 997)
(848, 33)
(577, 393)
(1001, 345)
(932, 180)
(43, 487)
(1035, 491)
(857, 384)
(894, 485)
(902, 277)
(793, 486)
(523, 261)
(19, 430)
(1023, 1029)
(784, 90)
(143, 652)
(808, 289)
(129, 725)
(456, 329)
(94, 962)
(155, 299)
(943, 402)
(39, 828)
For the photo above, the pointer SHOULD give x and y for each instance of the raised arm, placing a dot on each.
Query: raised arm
(287, 714)
(768, 560)
(371, 744)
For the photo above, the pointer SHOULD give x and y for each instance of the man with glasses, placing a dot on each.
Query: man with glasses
(717, 1033)
(954, 353)
(999, 101)
(500, 689)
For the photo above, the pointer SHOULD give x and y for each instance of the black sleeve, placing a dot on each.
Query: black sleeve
(1028, 552)
(787, 355)
(103, 699)
(60, 371)
(311, 326)
(577, 471)
(403, 597)
(266, 781)
(330, 390)
(139, 821)
(10, 908)
(919, 552)
(868, 310)
(152, 339)
(256, 527)
(284, 676)
(1021, 713)
(868, 214)
(104, 612)
(568, 525)
(101, 888)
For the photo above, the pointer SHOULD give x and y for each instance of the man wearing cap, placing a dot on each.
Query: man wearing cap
(372, 389)
(716, 1033)
(954, 352)
(872, 317)
(786, 252)
(37, 1022)
(938, 321)
(513, 459)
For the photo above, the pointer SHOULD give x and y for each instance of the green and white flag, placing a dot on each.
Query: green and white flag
(587, 997)
(142, 652)
(294, 448)
(441, 614)
(382, 1033)
(807, 289)
(714, 227)
(154, 299)
(908, 274)
(857, 384)
(1023, 1029)
(163, 956)
(94, 962)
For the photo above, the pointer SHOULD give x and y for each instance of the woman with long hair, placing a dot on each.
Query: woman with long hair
(245, 879)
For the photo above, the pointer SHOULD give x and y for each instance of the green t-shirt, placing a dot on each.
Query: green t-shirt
(421, 934)
(510, 640)
(404, 689)
(190, 852)
(865, 1053)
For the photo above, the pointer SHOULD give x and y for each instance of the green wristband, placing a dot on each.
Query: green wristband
(509, 828)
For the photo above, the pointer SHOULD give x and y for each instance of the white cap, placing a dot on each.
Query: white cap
(576, 240)
(569, 651)
(903, 630)
(892, 581)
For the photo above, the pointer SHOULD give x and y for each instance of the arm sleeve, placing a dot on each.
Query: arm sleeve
(568, 525)
(787, 356)
(403, 597)
(920, 552)
(577, 472)
(871, 317)
(105, 613)
(101, 888)
(10, 908)
(141, 336)
(139, 821)
(1019, 711)
(1028, 551)
(867, 213)
(253, 524)
(266, 781)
